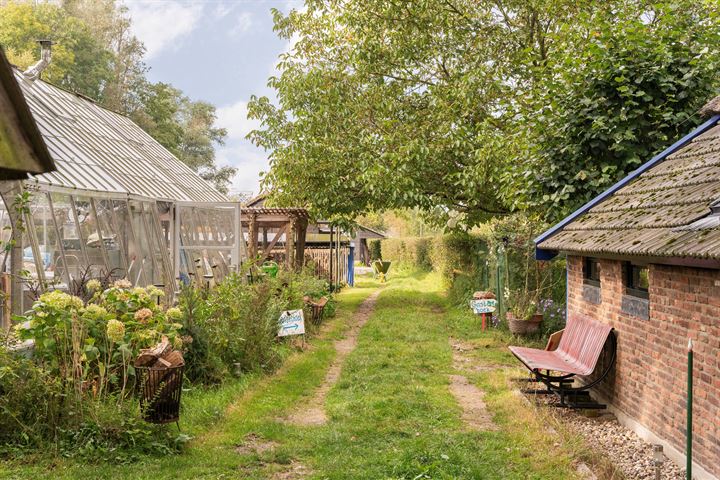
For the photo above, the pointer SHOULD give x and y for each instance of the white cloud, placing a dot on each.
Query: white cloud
(160, 25)
(249, 161)
(243, 22)
(222, 10)
(234, 118)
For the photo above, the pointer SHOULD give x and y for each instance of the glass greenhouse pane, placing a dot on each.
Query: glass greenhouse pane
(5, 225)
(90, 235)
(74, 260)
(117, 261)
(135, 255)
(49, 248)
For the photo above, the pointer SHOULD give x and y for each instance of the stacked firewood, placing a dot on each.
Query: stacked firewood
(161, 377)
(161, 356)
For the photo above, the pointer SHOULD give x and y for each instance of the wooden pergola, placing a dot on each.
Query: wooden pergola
(267, 227)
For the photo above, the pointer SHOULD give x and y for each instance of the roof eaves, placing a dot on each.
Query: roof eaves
(27, 122)
(542, 254)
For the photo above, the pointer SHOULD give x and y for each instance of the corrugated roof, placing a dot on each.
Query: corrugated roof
(664, 212)
(100, 150)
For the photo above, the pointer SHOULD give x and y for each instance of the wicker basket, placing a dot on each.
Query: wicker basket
(160, 390)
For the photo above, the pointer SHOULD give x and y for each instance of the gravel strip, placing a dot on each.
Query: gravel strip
(628, 452)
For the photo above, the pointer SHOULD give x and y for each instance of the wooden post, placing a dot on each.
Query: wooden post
(300, 244)
(9, 190)
(330, 269)
(253, 237)
(289, 243)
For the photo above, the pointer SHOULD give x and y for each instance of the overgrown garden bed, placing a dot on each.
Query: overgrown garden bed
(74, 392)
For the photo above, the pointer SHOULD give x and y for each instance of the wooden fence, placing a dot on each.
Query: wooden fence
(321, 259)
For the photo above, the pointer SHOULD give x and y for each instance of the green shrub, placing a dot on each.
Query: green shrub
(202, 362)
(237, 323)
(31, 401)
(107, 431)
(375, 249)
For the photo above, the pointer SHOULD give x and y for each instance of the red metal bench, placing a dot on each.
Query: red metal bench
(577, 354)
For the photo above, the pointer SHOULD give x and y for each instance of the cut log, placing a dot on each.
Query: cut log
(148, 356)
(174, 358)
(161, 363)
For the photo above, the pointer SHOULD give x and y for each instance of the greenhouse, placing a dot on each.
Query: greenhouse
(119, 206)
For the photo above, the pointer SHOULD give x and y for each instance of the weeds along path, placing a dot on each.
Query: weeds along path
(313, 413)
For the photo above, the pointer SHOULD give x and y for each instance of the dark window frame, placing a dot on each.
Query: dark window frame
(632, 282)
(591, 271)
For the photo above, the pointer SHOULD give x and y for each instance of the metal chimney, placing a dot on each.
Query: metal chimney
(33, 72)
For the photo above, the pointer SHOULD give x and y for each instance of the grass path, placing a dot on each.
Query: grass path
(390, 415)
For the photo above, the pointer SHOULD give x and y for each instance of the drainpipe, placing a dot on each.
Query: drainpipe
(33, 72)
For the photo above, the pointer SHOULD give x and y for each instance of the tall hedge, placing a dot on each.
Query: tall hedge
(469, 261)
(408, 252)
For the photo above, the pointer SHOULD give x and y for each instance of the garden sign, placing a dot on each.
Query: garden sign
(292, 322)
(485, 305)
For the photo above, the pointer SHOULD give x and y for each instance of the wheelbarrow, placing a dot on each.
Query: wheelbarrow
(380, 270)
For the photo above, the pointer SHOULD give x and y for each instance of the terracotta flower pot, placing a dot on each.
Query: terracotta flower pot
(523, 327)
(517, 326)
(533, 323)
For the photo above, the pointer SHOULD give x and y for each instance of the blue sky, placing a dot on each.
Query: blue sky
(221, 51)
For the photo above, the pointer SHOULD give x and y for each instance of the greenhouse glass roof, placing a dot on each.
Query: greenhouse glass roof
(98, 150)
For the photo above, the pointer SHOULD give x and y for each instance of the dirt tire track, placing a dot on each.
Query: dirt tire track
(313, 413)
(475, 415)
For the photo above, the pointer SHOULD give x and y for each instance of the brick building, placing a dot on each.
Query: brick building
(645, 257)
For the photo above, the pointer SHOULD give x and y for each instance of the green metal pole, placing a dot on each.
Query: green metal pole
(501, 282)
(688, 448)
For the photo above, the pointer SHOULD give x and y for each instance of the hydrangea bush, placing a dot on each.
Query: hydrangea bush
(91, 345)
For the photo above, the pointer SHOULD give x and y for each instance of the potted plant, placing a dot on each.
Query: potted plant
(522, 315)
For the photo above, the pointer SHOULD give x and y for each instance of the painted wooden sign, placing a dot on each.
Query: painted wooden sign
(485, 305)
(292, 322)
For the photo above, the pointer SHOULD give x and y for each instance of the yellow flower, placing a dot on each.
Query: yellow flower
(174, 313)
(95, 311)
(93, 285)
(154, 291)
(115, 330)
(61, 300)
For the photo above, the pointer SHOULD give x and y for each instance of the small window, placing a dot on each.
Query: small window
(637, 280)
(591, 272)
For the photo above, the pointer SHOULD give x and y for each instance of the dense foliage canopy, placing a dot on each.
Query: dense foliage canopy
(95, 54)
(478, 107)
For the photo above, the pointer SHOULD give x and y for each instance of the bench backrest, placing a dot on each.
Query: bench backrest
(583, 340)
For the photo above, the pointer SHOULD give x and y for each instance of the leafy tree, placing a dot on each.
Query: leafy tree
(186, 128)
(197, 148)
(632, 87)
(386, 104)
(160, 115)
(110, 25)
(471, 106)
(80, 62)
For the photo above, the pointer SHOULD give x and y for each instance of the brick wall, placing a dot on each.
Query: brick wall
(649, 382)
